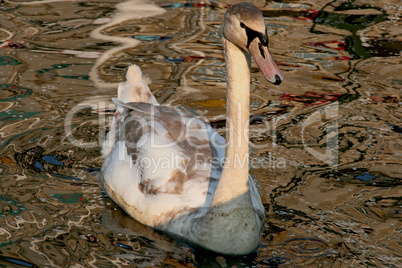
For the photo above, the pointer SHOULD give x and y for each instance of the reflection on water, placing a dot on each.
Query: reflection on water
(326, 148)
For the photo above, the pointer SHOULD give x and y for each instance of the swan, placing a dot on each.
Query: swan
(171, 171)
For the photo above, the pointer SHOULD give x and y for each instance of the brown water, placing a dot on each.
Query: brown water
(326, 143)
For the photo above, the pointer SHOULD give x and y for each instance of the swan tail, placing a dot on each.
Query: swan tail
(135, 89)
(134, 73)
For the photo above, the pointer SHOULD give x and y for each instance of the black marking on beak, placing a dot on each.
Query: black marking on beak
(277, 80)
(251, 35)
(260, 47)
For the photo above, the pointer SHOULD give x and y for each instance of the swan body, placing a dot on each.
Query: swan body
(171, 171)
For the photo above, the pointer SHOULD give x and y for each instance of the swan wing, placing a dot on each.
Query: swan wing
(164, 162)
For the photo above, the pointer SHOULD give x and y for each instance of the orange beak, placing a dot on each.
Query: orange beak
(265, 62)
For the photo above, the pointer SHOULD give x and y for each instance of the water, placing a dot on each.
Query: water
(326, 143)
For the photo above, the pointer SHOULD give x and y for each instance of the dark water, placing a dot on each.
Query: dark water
(326, 143)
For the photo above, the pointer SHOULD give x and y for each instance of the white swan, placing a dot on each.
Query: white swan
(171, 171)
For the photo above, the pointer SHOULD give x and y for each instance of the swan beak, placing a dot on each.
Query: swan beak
(265, 62)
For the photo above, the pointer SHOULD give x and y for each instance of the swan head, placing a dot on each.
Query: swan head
(244, 26)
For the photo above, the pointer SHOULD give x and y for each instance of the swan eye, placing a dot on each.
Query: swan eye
(252, 34)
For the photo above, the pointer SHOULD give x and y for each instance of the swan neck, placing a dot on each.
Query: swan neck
(237, 107)
(234, 178)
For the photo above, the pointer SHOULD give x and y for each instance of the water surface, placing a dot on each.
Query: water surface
(325, 144)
